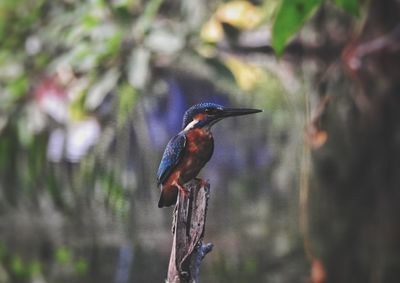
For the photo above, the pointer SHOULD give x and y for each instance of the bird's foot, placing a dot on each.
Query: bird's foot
(202, 182)
(185, 192)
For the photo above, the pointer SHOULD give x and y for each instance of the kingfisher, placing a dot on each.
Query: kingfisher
(188, 151)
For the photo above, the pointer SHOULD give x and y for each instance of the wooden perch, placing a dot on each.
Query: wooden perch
(188, 227)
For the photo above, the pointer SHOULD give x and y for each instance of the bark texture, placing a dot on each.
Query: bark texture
(188, 228)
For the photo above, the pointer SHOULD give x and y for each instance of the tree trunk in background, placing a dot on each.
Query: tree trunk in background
(354, 198)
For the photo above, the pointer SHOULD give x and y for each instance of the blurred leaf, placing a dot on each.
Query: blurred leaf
(35, 267)
(250, 266)
(3, 121)
(240, 14)
(247, 76)
(127, 97)
(350, 6)
(89, 21)
(290, 18)
(63, 255)
(194, 12)
(212, 31)
(77, 109)
(126, 4)
(116, 197)
(81, 266)
(101, 88)
(83, 57)
(17, 265)
(41, 60)
(10, 66)
(138, 67)
(165, 41)
(147, 18)
(114, 44)
(18, 87)
(25, 131)
(36, 118)
(270, 9)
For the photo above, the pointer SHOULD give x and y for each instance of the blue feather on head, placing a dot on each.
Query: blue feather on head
(196, 109)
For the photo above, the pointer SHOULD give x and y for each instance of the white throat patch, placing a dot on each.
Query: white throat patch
(191, 125)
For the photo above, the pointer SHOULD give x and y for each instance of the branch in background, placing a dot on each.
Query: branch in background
(188, 231)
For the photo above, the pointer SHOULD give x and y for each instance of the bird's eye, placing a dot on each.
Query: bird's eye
(207, 110)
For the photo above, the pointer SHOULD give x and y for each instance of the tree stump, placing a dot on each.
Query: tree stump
(188, 227)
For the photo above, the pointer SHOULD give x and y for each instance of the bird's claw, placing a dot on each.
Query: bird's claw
(202, 183)
(185, 192)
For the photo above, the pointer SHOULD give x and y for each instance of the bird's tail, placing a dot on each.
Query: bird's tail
(168, 197)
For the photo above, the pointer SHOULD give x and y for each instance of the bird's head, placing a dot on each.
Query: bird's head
(207, 114)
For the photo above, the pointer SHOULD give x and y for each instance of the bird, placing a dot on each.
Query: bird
(187, 152)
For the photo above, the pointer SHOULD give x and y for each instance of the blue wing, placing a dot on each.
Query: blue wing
(172, 155)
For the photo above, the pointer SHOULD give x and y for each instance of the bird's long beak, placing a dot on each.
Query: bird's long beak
(229, 112)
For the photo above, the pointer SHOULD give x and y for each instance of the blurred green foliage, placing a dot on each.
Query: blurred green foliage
(94, 47)
(77, 54)
(81, 266)
(20, 268)
(292, 15)
(350, 6)
(63, 255)
(290, 18)
(17, 265)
